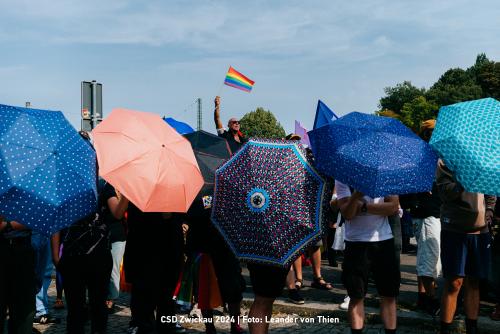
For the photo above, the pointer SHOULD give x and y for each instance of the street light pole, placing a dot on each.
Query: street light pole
(94, 104)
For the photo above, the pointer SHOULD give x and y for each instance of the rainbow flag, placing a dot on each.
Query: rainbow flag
(237, 80)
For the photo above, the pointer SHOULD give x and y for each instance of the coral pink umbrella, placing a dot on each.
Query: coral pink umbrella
(147, 161)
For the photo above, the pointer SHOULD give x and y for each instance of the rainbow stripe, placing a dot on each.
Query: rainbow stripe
(237, 80)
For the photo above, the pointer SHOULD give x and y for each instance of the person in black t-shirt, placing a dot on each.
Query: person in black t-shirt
(233, 135)
(86, 264)
(117, 238)
(203, 237)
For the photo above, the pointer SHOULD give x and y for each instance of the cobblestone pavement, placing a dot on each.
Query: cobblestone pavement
(293, 319)
(282, 323)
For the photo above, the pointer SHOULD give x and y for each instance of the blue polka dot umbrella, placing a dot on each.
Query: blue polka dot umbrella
(467, 137)
(376, 155)
(47, 171)
(269, 202)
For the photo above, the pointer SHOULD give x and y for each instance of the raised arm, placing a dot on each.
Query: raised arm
(218, 123)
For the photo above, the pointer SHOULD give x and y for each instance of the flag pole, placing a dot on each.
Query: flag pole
(220, 89)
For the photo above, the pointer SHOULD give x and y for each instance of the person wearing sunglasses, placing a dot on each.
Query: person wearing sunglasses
(233, 135)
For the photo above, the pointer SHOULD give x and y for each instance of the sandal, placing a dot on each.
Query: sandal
(298, 283)
(58, 304)
(320, 283)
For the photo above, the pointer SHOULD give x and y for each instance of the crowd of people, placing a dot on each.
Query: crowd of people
(453, 230)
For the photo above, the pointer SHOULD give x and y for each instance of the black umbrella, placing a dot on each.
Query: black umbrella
(210, 151)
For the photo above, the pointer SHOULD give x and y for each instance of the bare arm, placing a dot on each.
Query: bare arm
(388, 208)
(55, 242)
(350, 206)
(15, 225)
(218, 123)
(118, 206)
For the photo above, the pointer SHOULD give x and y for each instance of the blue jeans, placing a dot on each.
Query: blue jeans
(43, 269)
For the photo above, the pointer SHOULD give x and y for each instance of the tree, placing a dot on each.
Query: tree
(397, 96)
(417, 111)
(261, 123)
(489, 79)
(474, 70)
(455, 85)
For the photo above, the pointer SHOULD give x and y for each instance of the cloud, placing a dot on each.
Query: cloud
(344, 52)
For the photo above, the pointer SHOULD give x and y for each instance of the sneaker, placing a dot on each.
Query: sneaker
(295, 297)
(345, 303)
(46, 319)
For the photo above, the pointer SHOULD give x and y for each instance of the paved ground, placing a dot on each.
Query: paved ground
(320, 314)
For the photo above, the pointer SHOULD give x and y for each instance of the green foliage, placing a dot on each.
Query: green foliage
(489, 79)
(413, 105)
(261, 123)
(481, 60)
(417, 111)
(397, 96)
(455, 85)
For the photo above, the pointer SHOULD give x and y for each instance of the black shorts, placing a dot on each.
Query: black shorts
(465, 254)
(267, 281)
(379, 258)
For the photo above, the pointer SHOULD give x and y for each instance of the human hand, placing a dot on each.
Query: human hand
(185, 228)
(217, 101)
(358, 194)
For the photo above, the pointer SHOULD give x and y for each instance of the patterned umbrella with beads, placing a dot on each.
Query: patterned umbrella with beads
(269, 202)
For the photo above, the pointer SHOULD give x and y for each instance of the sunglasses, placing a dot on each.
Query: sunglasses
(235, 122)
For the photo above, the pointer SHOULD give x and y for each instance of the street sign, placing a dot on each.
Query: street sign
(86, 125)
(86, 114)
(91, 103)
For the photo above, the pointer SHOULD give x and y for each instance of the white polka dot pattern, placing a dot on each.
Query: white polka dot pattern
(47, 171)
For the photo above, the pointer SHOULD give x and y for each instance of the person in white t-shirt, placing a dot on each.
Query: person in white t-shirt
(369, 248)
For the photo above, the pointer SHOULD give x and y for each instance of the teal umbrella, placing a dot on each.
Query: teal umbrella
(467, 137)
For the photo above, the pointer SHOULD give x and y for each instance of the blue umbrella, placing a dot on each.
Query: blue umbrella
(181, 127)
(376, 155)
(467, 137)
(269, 202)
(47, 171)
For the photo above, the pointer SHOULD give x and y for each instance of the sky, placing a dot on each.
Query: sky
(160, 56)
